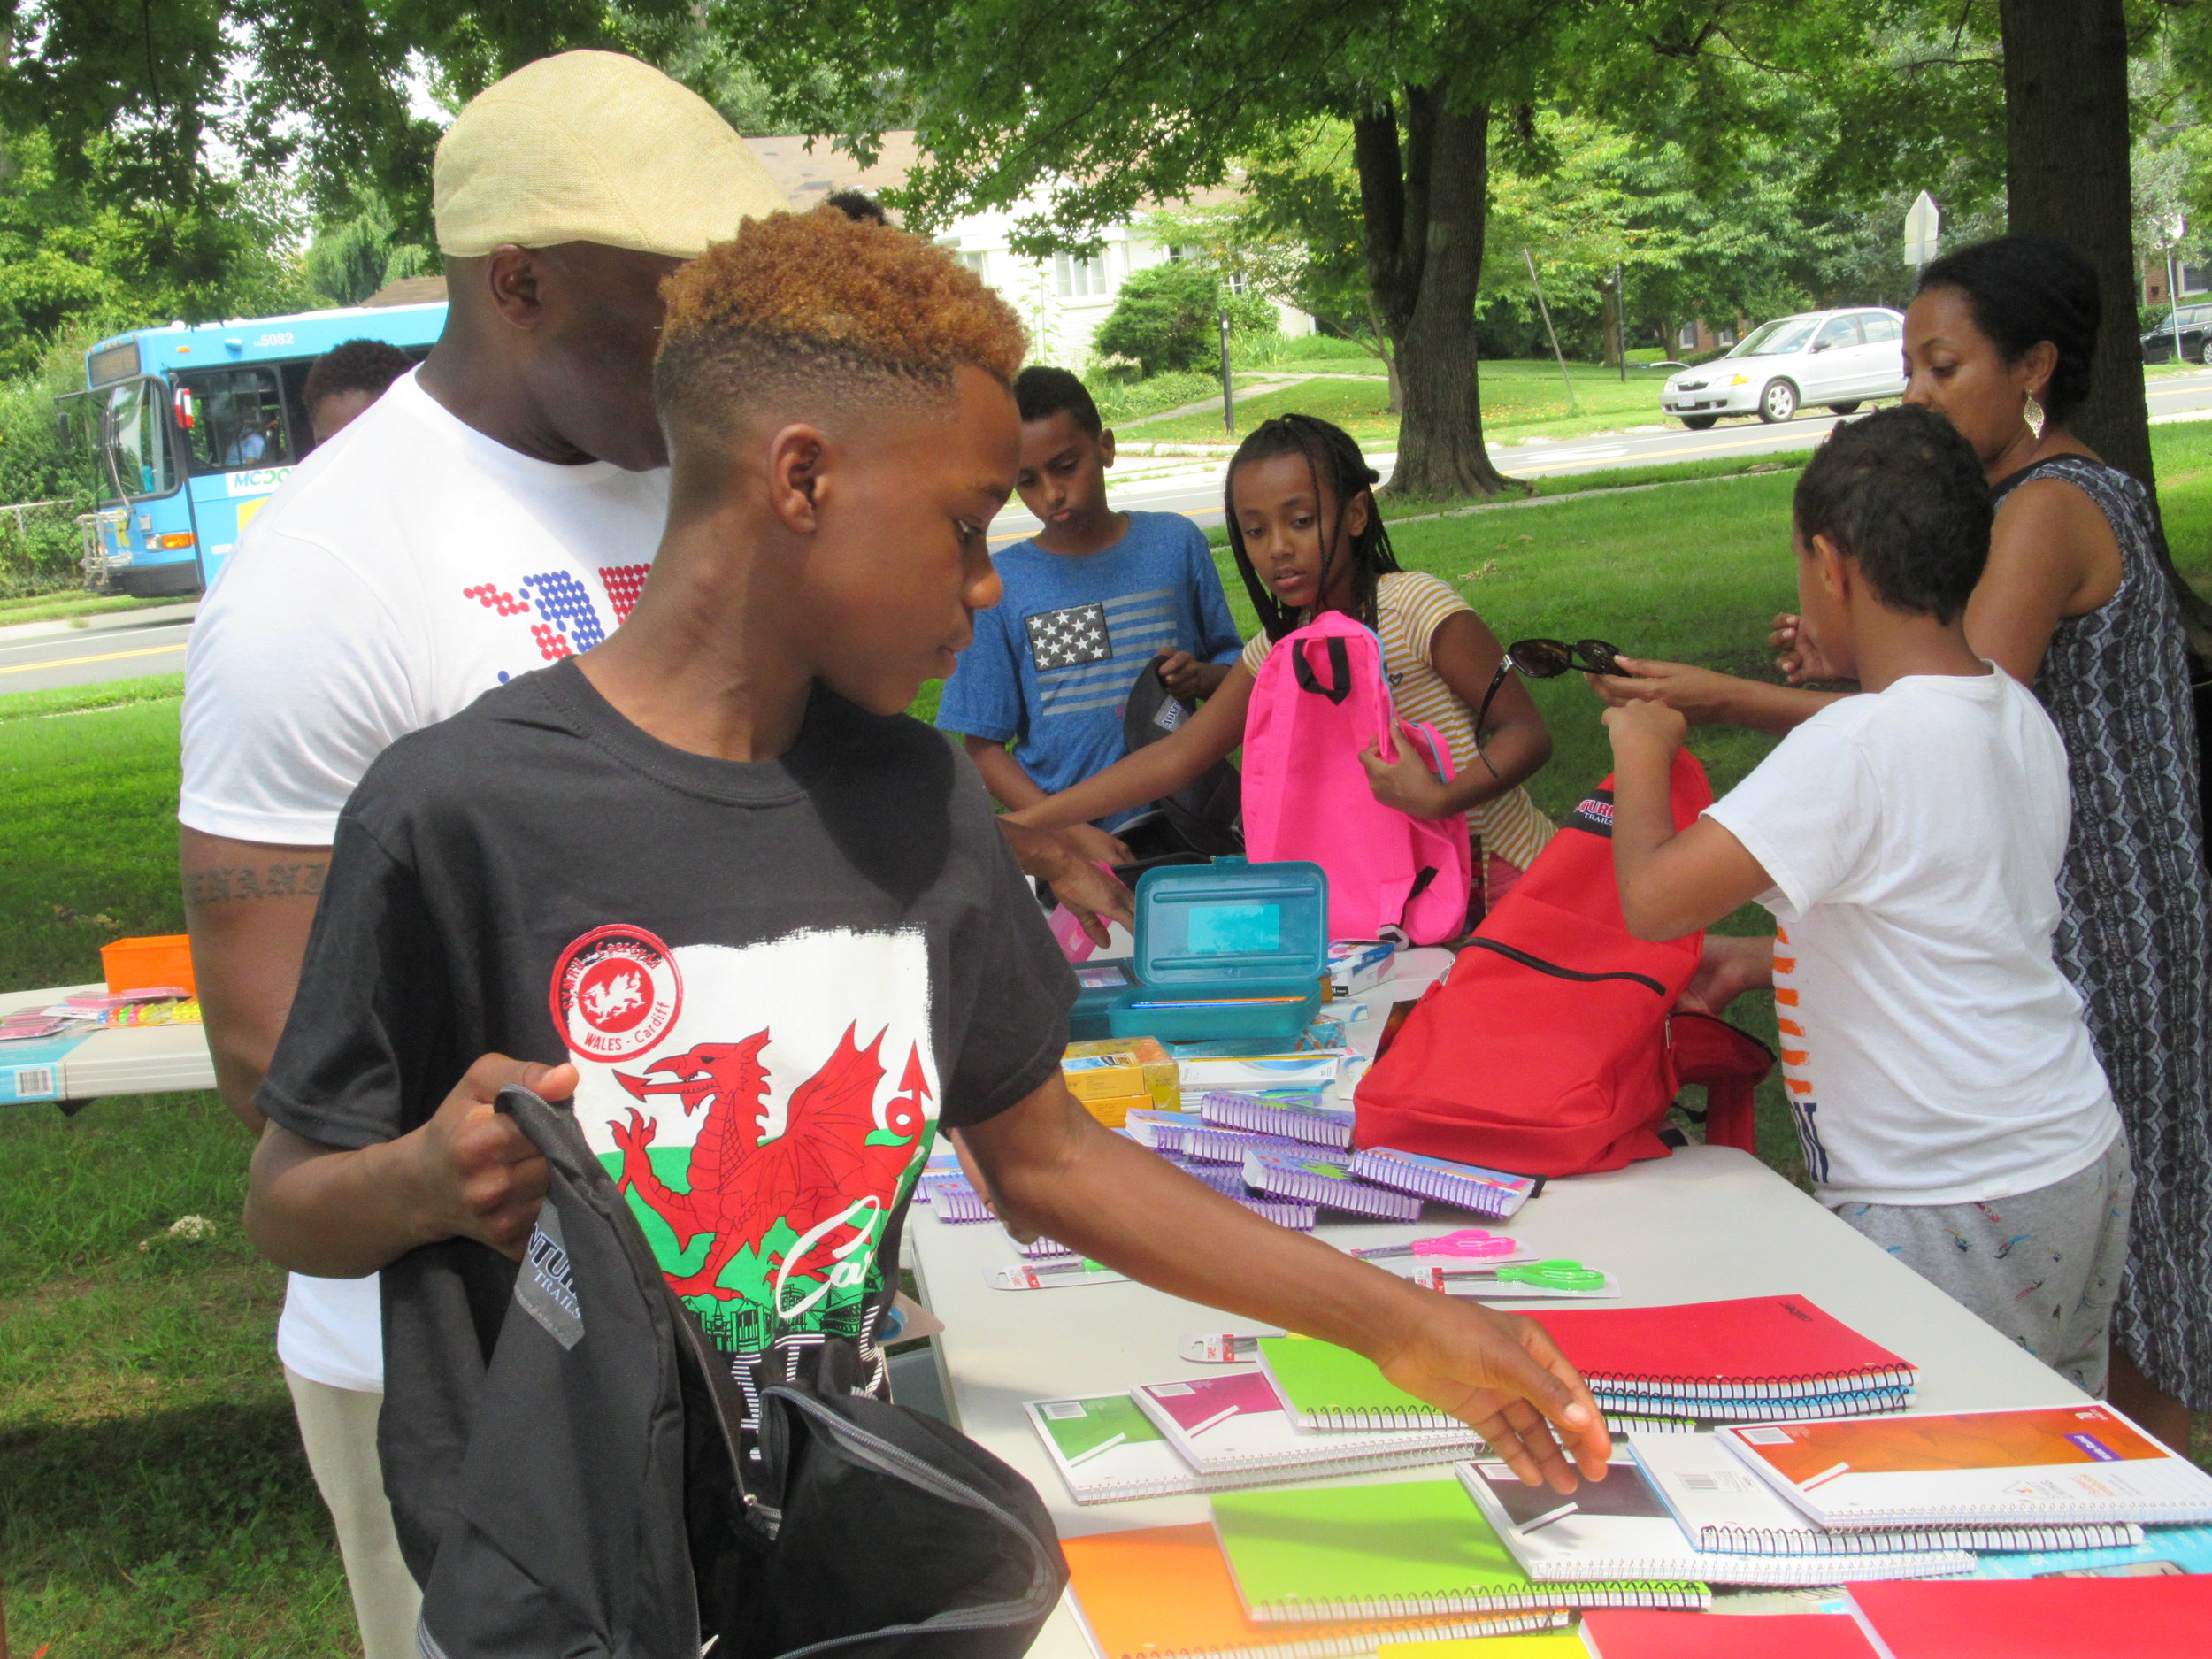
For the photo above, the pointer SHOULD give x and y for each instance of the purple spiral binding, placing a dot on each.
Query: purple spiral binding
(1301, 1117)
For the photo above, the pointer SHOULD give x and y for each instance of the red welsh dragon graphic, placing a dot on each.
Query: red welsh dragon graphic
(829, 1160)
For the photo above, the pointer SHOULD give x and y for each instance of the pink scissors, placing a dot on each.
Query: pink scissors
(1469, 1243)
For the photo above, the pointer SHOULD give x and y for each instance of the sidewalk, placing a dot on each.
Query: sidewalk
(104, 622)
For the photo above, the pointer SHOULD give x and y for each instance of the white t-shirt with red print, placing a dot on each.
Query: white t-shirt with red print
(405, 569)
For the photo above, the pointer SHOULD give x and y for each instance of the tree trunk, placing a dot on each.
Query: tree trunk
(1425, 203)
(2066, 173)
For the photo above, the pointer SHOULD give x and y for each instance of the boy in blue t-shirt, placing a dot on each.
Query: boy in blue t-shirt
(1090, 599)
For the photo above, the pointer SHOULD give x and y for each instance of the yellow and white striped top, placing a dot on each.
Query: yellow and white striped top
(1409, 607)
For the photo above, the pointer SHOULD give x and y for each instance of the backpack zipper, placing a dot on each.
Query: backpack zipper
(1558, 972)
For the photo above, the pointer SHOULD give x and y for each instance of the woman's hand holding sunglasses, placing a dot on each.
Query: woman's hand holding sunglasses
(1698, 695)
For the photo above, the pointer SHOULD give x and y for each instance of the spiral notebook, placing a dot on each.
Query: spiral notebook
(2052, 1464)
(1619, 1528)
(2050, 1618)
(1300, 1117)
(1388, 1550)
(1462, 1186)
(1723, 1506)
(1758, 1348)
(1325, 1386)
(1203, 1144)
(2164, 1552)
(1107, 1450)
(1311, 1178)
(1164, 1593)
(1804, 1408)
(1236, 1421)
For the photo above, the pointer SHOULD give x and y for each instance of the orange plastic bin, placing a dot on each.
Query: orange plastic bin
(138, 964)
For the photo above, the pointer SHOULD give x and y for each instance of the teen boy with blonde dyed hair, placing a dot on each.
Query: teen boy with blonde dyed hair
(709, 882)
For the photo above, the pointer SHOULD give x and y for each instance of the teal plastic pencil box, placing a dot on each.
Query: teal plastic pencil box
(1225, 950)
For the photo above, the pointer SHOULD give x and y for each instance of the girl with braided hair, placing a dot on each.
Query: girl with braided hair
(1307, 538)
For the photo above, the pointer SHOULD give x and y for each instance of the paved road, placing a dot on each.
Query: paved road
(1192, 485)
(136, 643)
(152, 642)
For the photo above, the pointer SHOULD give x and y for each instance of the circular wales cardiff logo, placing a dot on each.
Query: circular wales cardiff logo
(616, 992)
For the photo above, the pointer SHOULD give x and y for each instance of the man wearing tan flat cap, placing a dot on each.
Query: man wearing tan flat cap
(494, 511)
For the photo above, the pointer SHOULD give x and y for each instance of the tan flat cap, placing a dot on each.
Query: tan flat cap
(595, 147)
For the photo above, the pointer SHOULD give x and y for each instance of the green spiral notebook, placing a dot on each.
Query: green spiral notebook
(1329, 1388)
(1392, 1550)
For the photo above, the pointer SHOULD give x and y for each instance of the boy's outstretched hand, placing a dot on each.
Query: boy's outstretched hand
(1505, 1378)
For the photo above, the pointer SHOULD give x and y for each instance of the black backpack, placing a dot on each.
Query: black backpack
(605, 1506)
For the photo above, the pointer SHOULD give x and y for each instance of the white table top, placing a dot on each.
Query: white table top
(1706, 1223)
(134, 1060)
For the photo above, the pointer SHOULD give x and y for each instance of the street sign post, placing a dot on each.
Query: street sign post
(1923, 230)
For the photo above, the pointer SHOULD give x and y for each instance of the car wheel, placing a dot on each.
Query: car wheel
(1700, 423)
(1778, 402)
(2204, 352)
(1851, 408)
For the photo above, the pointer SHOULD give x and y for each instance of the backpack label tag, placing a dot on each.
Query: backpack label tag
(1594, 814)
(545, 1287)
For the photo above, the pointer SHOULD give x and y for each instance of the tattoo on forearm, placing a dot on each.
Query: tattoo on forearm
(250, 881)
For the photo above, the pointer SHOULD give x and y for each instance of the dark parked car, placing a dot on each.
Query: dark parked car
(2196, 337)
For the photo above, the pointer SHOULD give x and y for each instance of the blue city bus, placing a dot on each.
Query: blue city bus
(193, 428)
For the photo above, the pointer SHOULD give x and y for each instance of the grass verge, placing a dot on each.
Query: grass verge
(57, 607)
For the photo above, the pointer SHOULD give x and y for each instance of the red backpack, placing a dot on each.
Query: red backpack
(1545, 1049)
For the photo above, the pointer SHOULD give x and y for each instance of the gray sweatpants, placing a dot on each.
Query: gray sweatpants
(2043, 1267)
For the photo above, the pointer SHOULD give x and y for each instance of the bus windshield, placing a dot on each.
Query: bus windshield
(134, 451)
(233, 419)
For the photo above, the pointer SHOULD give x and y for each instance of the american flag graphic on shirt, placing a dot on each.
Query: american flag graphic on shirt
(1088, 656)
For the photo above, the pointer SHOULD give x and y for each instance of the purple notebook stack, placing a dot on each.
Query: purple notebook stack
(1161, 1132)
(1310, 1178)
(1291, 1116)
(961, 1203)
(1464, 1186)
(1297, 1218)
(1202, 1145)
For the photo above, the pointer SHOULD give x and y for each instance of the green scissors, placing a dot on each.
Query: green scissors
(1559, 1273)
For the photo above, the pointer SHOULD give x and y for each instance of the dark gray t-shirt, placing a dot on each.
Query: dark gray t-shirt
(772, 977)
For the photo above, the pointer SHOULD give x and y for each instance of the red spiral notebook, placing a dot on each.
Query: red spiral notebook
(1758, 1348)
(2036, 1618)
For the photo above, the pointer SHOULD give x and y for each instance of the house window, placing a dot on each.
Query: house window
(1725, 337)
(2196, 279)
(1078, 279)
(1687, 339)
(975, 263)
(1238, 283)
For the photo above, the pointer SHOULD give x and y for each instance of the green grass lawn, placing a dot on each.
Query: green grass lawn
(70, 606)
(1521, 398)
(152, 1494)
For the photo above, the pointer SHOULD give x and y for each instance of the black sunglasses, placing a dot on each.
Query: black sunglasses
(1544, 659)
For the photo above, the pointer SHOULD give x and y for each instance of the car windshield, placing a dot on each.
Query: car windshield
(1783, 334)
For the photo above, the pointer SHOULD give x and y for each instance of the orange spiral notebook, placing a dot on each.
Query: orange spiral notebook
(1164, 1593)
(1757, 1348)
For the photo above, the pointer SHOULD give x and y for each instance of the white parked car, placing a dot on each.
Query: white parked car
(1839, 359)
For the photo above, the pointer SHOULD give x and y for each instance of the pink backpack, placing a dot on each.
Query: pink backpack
(1321, 699)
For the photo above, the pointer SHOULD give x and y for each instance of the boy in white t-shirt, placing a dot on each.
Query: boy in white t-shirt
(1908, 841)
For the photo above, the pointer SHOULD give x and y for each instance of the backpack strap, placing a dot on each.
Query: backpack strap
(1339, 670)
